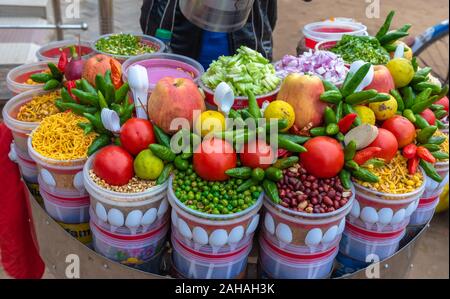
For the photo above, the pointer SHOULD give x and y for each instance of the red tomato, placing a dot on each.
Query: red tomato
(443, 102)
(114, 165)
(136, 135)
(428, 114)
(388, 143)
(212, 158)
(324, 158)
(402, 128)
(257, 153)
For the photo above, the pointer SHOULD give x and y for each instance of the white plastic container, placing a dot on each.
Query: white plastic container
(62, 177)
(330, 30)
(131, 250)
(196, 265)
(361, 244)
(432, 187)
(28, 168)
(51, 51)
(383, 212)
(280, 264)
(16, 78)
(63, 209)
(209, 231)
(132, 213)
(302, 232)
(424, 211)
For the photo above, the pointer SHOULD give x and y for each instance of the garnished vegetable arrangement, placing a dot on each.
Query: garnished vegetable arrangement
(124, 44)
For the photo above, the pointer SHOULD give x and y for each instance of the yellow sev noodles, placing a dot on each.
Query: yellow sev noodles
(38, 108)
(60, 138)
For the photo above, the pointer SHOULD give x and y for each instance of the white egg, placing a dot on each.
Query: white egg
(314, 237)
(284, 233)
(253, 225)
(200, 236)
(78, 181)
(341, 226)
(174, 218)
(163, 208)
(269, 224)
(236, 234)
(149, 217)
(133, 219)
(115, 217)
(356, 209)
(184, 229)
(410, 209)
(218, 238)
(48, 178)
(330, 234)
(369, 215)
(100, 211)
(399, 216)
(385, 215)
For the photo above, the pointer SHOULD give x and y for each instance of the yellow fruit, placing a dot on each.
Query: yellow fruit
(366, 114)
(408, 51)
(147, 166)
(401, 70)
(443, 200)
(209, 122)
(280, 110)
(384, 110)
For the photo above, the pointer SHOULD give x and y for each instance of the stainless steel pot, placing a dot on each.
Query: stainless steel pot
(217, 15)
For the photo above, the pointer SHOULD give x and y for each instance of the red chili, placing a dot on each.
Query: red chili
(116, 74)
(424, 154)
(409, 151)
(62, 62)
(69, 86)
(413, 164)
(366, 154)
(346, 122)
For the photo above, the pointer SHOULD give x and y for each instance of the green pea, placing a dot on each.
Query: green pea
(241, 202)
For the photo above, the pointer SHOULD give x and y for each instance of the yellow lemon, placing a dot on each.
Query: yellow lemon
(209, 122)
(147, 166)
(366, 114)
(401, 70)
(280, 110)
(384, 110)
(443, 200)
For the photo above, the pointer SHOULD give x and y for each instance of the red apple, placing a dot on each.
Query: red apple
(388, 143)
(429, 116)
(403, 130)
(382, 80)
(443, 102)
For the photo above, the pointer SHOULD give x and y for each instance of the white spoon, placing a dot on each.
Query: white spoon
(138, 80)
(224, 98)
(354, 67)
(400, 51)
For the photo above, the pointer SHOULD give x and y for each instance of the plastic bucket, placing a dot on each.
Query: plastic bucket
(280, 264)
(20, 129)
(197, 265)
(330, 30)
(136, 251)
(377, 211)
(424, 211)
(346, 265)
(16, 78)
(28, 167)
(62, 177)
(146, 39)
(361, 244)
(304, 232)
(433, 187)
(51, 51)
(214, 231)
(70, 210)
(141, 211)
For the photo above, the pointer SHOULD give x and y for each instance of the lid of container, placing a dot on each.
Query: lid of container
(363, 233)
(163, 33)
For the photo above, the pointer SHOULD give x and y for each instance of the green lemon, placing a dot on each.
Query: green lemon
(147, 166)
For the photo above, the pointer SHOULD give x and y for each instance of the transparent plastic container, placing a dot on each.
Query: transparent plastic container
(361, 244)
(432, 187)
(63, 209)
(141, 211)
(62, 177)
(51, 51)
(16, 78)
(20, 129)
(213, 232)
(28, 168)
(303, 232)
(196, 265)
(146, 39)
(136, 251)
(378, 211)
(346, 265)
(330, 30)
(280, 264)
(424, 211)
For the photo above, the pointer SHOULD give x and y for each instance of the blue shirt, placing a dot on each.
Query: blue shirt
(214, 44)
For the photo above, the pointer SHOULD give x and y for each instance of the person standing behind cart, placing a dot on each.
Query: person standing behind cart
(205, 46)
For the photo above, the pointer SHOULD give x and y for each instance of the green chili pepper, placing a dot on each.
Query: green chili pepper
(409, 115)
(350, 151)
(339, 110)
(360, 97)
(101, 100)
(345, 177)
(56, 73)
(41, 77)
(87, 87)
(397, 96)
(100, 83)
(430, 171)
(332, 129)
(330, 116)
(440, 155)
(386, 25)
(121, 93)
(253, 107)
(318, 131)
(165, 174)
(78, 109)
(102, 140)
(351, 165)
(408, 96)
(66, 97)
(421, 122)
(440, 124)
(425, 134)
(161, 137)
(96, 121)
(87, 127)
(51, 84)
(86, 97)
(289, 145)
(431, 147)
